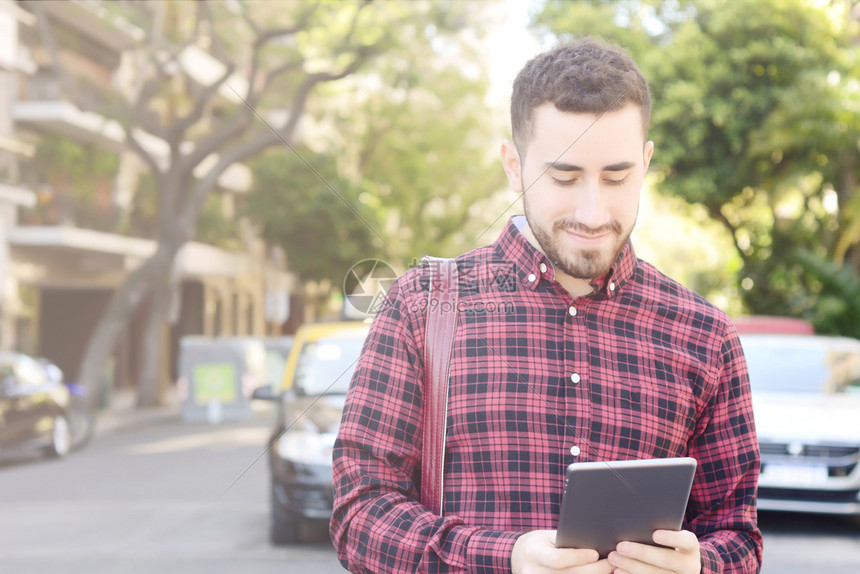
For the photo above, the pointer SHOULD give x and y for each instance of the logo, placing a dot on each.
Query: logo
(365, 287)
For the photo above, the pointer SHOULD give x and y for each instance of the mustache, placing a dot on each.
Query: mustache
(582, 229)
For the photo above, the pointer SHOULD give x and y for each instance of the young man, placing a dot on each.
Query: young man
(568, 348)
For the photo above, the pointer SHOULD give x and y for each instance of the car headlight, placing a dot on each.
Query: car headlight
(306, 447)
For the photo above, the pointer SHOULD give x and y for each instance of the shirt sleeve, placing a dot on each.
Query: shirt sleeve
(378, 524)
(722, 509)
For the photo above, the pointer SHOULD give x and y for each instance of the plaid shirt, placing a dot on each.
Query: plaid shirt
(640, 368)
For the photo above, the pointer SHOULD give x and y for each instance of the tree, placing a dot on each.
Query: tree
(756, 120)
(312, 211)
(404, 172)
(425, 156)
(274, 57)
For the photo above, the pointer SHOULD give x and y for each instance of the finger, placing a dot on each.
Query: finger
(682, 540)
(599, 567)
(645, 559)
(536, 552)
(561, 558)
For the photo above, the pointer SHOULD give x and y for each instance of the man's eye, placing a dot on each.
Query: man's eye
(564, 182)
(616, 181)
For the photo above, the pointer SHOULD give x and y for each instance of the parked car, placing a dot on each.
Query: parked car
(316, 377)
(806, 400)
(79, 411)
(33, 408)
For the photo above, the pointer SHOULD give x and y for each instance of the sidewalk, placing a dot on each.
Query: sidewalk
(123, 413)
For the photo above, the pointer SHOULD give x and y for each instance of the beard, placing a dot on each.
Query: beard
(583, 263)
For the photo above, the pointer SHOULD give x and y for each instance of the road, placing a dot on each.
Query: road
(166, 496)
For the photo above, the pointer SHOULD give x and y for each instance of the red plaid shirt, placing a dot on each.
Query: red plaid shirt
(640, 368)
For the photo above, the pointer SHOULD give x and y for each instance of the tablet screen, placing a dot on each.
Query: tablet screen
(607, 502)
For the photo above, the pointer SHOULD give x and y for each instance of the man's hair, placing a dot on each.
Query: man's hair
(583, 76)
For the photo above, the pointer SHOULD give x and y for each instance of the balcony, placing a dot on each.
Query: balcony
(17, 195)
(44, 107)
(95, 21)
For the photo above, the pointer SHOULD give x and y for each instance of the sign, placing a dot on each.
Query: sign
(214, 382)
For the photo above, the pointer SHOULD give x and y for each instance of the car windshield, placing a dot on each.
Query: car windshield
(326, 366)
(798, 367)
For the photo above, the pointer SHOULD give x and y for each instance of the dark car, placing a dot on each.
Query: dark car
(32, 408)
(310, 403)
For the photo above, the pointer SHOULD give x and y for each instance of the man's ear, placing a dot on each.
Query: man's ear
(511, 163)
(648, 152)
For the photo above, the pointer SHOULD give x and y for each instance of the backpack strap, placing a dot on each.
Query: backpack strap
(439, 340)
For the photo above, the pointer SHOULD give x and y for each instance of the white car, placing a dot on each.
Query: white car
(806, 401)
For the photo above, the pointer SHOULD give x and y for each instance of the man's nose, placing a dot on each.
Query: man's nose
(591, 207)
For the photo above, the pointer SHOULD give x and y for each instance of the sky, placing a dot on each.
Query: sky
(510, 46)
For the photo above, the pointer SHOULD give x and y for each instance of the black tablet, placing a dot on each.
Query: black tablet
(607, 502)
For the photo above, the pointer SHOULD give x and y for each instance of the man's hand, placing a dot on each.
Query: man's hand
(535, 553)
(682, 556)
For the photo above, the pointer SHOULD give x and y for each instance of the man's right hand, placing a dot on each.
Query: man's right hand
(535, 553)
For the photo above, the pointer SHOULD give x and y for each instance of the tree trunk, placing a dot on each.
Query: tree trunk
(149, 373)
(846, 191)
(123, 303)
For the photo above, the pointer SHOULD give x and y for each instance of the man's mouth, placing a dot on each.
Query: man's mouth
(587, 238)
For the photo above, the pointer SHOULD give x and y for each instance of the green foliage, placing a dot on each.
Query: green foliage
(756, 118)
(405, 145)
(312, 211)
(79, 181)
(836, 290)
(215, 227)
(424, 165)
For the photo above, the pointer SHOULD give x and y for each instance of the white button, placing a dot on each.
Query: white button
(543, 267)
(612, 286)
(574, 450)
(575, 378)
(572, 311)
(532, 277)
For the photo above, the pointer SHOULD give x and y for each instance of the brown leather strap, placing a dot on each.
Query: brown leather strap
(439, 339)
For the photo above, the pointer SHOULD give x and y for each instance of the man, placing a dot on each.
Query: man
(568, 348)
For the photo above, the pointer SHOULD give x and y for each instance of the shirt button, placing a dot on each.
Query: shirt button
(574, 450)
(543, 267)
(612, 286)
(572, 311)
(532, 277)
(575, 378)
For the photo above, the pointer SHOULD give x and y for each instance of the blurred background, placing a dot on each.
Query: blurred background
(177, 171)
(175, 168)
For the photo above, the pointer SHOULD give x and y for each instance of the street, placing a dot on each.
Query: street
(155, 498)
(165, 496)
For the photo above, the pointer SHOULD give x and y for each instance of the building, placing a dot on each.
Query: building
(72, 225)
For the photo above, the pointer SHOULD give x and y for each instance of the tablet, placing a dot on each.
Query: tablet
(607, 502)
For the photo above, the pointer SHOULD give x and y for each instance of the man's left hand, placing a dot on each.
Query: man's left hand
(682, 556)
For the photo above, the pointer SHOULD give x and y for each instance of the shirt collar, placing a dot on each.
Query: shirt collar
(619, 274)
(532, 266)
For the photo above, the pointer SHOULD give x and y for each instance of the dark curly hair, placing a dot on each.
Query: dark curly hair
(582, 76)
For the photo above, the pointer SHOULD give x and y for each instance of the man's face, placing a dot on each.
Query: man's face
(581, 179)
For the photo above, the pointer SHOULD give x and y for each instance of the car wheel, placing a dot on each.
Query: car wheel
(81, 424)
(61, 438)
(284, 525)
